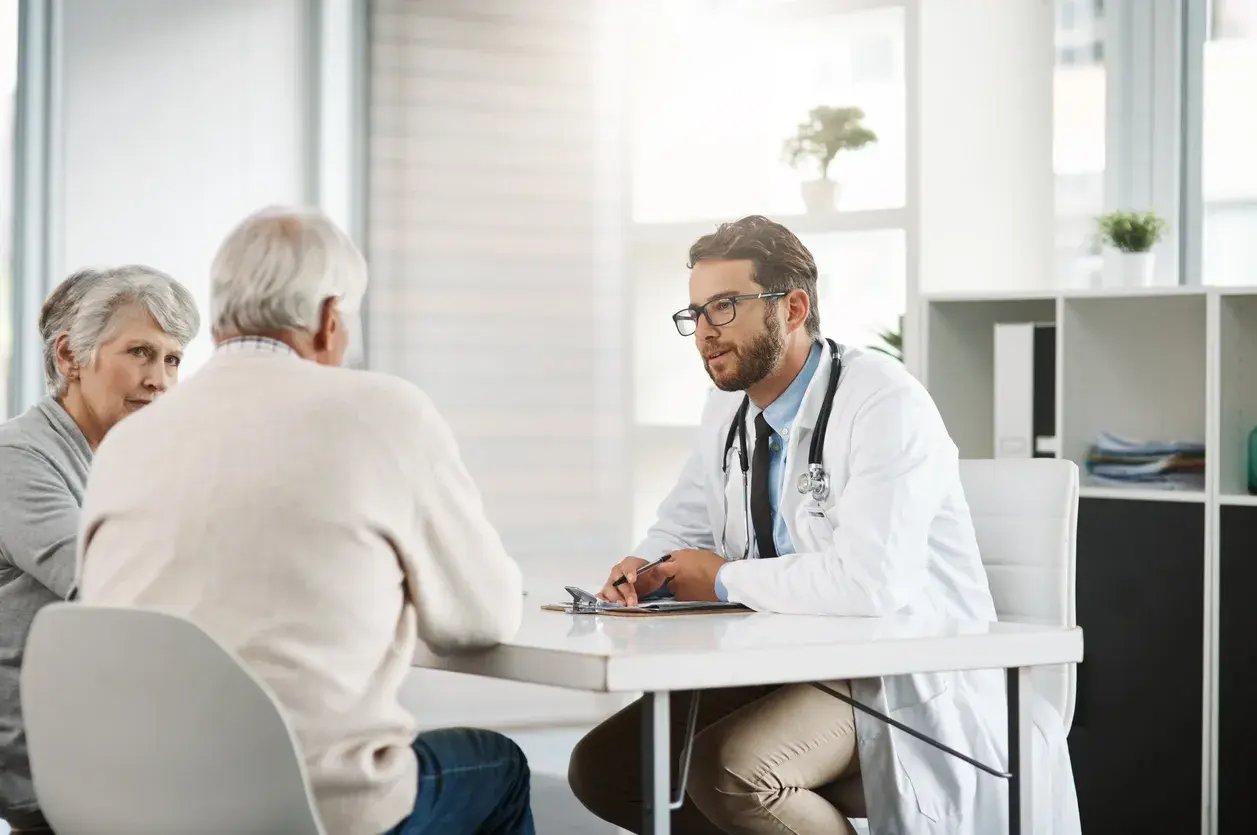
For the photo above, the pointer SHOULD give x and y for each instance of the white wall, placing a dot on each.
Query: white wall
(179, 117)
(987, 211)
(493, 230)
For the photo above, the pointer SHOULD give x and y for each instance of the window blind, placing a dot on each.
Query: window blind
(495, 217)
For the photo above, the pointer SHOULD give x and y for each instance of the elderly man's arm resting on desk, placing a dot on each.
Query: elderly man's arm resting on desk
(466, 588)
(901, 466)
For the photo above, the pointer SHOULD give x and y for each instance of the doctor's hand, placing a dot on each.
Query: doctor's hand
(692, 574)
(626, 593)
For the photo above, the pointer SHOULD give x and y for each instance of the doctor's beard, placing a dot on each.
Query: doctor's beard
(756, 360)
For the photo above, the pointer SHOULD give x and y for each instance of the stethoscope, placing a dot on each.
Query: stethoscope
(814, 481)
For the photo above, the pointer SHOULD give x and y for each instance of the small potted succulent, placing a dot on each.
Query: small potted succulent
(1132, 235)
(825, 133)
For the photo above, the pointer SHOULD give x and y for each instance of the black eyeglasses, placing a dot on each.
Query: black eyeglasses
(717, 312)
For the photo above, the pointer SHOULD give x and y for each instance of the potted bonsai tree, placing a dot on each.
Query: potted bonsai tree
(1133, 235)
(825, 133)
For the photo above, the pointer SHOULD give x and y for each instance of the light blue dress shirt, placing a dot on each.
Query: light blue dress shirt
(780, 415)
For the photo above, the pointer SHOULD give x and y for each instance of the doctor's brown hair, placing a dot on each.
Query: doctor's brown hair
(781, 262)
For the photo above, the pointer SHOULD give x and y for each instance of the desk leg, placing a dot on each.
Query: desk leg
(656, 768)
(1020, 725)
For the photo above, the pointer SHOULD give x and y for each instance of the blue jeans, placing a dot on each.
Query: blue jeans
(470, 783)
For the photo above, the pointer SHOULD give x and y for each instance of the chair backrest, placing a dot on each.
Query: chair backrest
(1025, 513)
(139, 722)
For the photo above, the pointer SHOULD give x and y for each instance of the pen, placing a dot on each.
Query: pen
(624, 579)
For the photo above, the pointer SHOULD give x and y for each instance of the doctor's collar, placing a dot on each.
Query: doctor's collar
(781, 413)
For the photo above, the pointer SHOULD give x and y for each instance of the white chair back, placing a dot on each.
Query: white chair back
(139, 722)
(1025, 513)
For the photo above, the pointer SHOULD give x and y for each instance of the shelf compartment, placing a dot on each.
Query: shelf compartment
(1238, 377)
(960, 373)
(1133, 366)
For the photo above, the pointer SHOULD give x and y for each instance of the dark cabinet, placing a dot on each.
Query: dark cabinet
(1237, 670)
(1137, 737)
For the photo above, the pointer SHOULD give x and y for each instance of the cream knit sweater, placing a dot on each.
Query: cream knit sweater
(317, 521)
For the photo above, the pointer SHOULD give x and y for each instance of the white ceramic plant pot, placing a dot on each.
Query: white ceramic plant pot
(819, 196)
(1136, 269)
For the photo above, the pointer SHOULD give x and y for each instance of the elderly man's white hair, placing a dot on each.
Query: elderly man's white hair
(274, 271)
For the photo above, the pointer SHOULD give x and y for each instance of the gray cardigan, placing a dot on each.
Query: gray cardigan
(44, 461)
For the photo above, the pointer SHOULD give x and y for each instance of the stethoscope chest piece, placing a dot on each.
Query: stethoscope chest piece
(816, 482)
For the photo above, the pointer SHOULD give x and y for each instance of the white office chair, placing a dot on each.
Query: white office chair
(1025, 513)
(139, 722)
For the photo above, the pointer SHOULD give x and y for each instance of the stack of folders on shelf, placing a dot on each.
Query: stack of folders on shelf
(1114, 461)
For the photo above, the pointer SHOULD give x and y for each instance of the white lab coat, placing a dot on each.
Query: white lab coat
(893, 538)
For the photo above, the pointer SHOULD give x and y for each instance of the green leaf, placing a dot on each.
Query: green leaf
(1131, 231)
(825, 133)
(893, 342)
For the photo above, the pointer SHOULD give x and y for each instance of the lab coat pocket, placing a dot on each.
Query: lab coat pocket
(819, 522)
(940, 785)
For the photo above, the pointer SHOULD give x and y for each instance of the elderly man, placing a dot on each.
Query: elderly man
(113, 340)
(317, 521)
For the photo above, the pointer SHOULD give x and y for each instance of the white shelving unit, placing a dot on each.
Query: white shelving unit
(1158, 364)
(1093, 491)
(1172, 363)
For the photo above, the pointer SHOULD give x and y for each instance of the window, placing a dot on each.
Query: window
(1232, 19)
(1079, 32)
(862, 283)
(8, 92)
(875, 60)
(1229, 135)
(718, 87)
(1078, 142)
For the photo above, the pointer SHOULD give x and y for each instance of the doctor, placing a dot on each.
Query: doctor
(823, 483)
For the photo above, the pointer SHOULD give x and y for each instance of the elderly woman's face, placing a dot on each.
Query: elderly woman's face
(132, 367)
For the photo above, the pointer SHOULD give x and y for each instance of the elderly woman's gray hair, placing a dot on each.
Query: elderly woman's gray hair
(276, 268)
(85, 304)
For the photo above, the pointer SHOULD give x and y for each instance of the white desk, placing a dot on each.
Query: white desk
(696, 652)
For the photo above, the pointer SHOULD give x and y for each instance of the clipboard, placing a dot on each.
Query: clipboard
(584, 603)
(638, 612)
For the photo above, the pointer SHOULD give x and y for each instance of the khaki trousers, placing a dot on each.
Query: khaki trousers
(778, 759)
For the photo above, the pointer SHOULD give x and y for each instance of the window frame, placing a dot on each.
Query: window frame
(35, 225)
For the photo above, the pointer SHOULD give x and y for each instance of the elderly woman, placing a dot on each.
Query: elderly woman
(112, 343)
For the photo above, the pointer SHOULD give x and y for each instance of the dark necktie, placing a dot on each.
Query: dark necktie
(761, 509)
